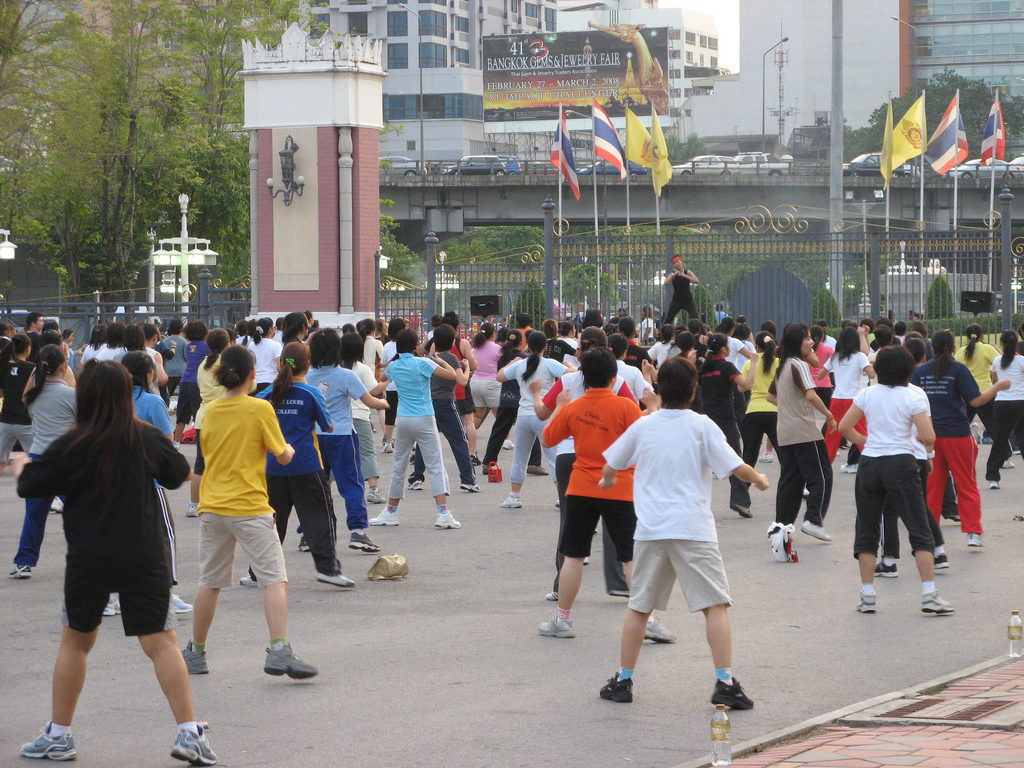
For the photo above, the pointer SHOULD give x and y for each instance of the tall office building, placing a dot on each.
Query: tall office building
(446, 41)
(979, 39)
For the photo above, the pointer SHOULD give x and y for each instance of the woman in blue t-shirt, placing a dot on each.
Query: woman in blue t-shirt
(195, 353)
(303, 483)
(951, 388)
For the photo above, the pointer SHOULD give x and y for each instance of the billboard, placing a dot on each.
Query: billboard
(526, 77)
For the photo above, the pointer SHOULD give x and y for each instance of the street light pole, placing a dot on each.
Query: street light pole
(419, 65)
(764, 107)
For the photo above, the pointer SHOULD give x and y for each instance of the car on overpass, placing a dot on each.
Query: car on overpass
(705, 165)
(976, 168)
(870, 164)
(512, 165)
(762, 163)
(478, 165)
(604, 168)
(399, 164)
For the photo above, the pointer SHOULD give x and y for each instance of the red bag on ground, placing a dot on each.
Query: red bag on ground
(493, 472)
(188, 437)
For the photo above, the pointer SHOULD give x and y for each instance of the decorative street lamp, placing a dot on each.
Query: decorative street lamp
(185, 252)
(292, 185)
(7, 248)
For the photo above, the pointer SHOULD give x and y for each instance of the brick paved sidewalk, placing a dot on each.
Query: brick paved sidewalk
(973, 721)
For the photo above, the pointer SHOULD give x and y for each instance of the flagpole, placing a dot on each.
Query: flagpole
(593, 169)
(629, 175)
(992, 175)
(924, 134)
(561, 163)
(891, 169)
(657, 197)
(956, 160)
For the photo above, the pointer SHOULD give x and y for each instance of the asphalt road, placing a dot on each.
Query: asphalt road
(447, 669)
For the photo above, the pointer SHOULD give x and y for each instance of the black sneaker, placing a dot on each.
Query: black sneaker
(475, 460)
(941, 562)
(742, 511)
(731, 696)
(886, 571)
(618, 690)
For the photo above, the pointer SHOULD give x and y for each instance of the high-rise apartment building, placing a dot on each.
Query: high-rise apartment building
(446, 41)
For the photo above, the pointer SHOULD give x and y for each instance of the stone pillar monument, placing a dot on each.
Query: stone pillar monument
(313, 108)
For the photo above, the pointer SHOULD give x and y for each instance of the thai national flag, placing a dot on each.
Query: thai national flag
(606, 141)
(993, 143)
(561, 155)
(947, 147)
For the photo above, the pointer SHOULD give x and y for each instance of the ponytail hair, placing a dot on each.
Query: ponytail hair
(666, 333)
(480, 337)
(236, 366)
(139, 366)
(973, 333)
(535, 342)
(716, 344)
(294, 360)
(942, 348)
(217, 340)
(18, 345)
(253, 331)
(48, 362)
(764, 341)
(1008, 341)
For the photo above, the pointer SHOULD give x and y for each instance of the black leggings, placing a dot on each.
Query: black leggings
(503, 421)
(680, 302)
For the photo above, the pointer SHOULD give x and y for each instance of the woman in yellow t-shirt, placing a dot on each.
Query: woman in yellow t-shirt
(978, 356)
(761, 416)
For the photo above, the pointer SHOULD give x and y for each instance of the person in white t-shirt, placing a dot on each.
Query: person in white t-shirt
(675, 534)
(850, 368)
(1008, 415)
(632, 375)
(259, 340)
(888, 469)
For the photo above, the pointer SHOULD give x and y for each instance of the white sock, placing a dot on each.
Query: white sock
(55, 731)
(939, 551)
(177, 445)
(192, 727)
(927, 587)
(359, 530)
(867, 588)
(888, 561)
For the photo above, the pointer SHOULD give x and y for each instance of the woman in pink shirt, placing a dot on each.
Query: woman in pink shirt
(822, 381)
(486, 387)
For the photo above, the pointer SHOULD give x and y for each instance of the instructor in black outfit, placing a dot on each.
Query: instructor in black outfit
(682, 297)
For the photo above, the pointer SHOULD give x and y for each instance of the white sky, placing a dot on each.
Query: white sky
(727, 17)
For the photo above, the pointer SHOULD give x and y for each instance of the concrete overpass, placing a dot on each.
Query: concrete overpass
(451, 204)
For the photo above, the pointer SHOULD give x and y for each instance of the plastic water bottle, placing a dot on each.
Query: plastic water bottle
(1013, 632)
(721, 737)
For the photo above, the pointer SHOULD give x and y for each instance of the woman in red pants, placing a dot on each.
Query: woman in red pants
(849, 365)
(951, 388)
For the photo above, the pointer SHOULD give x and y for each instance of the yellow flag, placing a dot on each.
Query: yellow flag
(887, 149)
(661, 168)
(909, 139)
(637, 139)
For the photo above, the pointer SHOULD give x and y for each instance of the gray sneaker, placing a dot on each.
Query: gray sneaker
(50, 748)
(362, 542)
(373, 496)
(658, 633)
(932, 603)
(195, 660)
(193, 749)
(557, 628)
(866, 604)
(337, 579)
(284, 662)
(192, 510)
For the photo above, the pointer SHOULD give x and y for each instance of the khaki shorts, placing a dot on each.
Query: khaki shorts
(257, 537)
(696, 564)
(486, 393)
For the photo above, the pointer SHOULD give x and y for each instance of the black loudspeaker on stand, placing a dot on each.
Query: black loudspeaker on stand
(977, 302)
(482, 306)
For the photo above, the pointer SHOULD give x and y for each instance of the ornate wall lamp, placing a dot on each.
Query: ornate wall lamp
(292, 185)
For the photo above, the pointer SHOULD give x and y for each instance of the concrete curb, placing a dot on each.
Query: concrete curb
(791, 732)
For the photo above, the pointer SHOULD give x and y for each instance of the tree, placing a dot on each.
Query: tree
(403, 263)
(531, 302)
(939, 302)
(824, 307)
(684, 151)
(975, 102)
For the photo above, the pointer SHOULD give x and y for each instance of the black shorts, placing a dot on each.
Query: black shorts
(392, 411)
(188, 402)
(199, 466)
(144, 612)
(582, 514)
(466, 405)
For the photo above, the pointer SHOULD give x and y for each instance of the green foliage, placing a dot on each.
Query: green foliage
(824, 307)
(403, 263)
(531, 301)
(483, 242)
(939, 302)
(705, 306)
(975, 102)
(579, 285)
(682, 151)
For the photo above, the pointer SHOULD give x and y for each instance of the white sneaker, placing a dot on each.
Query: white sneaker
(180, 606)
(385, 518)
(470, 487)
(993, 485)
(514, 501)
(389, 448)
(415, 485)
(248, 581)
(806, 493)
(192, 510)
(658, 633)
(817, 531)
(767, 457)
(974, 540)
(508, 445)
(557, 628)
(336, 579)
(113, 605)
(1006, 465)
(551, 597)
(447, 521)
(849, 469)
(373, 496)
(57, 506)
